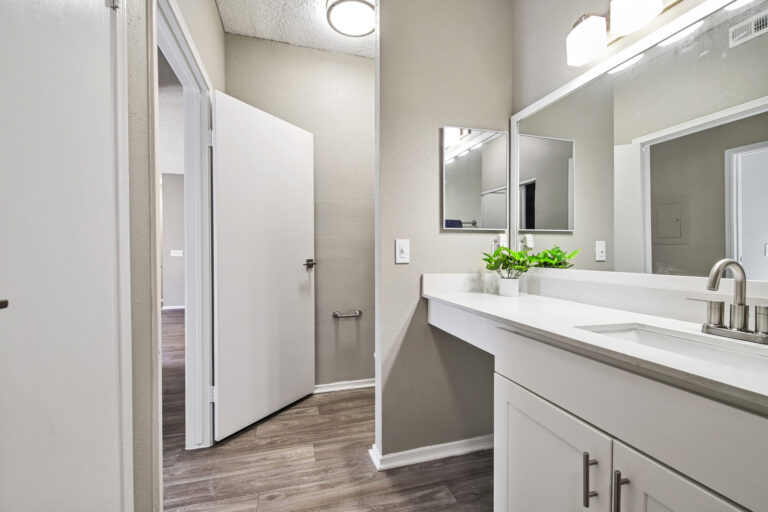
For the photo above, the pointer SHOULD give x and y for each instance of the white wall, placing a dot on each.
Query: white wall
(204, 23)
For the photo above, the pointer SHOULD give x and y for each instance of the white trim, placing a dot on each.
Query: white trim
(123, 263)
(177, 171)
(176, 43)
(429, 453)
(344, 385)
(173, 308)
(728, 115)
(686, 19)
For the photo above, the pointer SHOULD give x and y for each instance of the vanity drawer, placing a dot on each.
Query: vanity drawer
(721, 447)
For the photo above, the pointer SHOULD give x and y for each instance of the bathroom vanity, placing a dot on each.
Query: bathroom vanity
(612, 410)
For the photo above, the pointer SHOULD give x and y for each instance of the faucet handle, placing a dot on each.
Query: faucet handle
(715, 311)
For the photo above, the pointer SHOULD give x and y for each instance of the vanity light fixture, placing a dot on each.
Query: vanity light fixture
(629, 15)
(353, 18)
(738, 4)
(631, 62)
(586, 40)
(682, 34)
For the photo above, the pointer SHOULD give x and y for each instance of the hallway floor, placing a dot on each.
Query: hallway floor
(312, 456)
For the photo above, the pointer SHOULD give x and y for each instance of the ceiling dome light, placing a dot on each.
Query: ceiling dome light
(630, 15)
(353, 18)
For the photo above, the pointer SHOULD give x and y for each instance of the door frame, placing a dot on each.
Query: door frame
(732, 192)
(175, 41)
(729, 115)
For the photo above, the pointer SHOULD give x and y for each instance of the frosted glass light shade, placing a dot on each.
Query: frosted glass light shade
(630, 15)
(586, 41)
(353, 18)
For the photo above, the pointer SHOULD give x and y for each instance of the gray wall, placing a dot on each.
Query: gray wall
(204, 23)
(694, 167)
(586, 117)
(332, 96)
(546, 161)
(442, 63)
(173, 239)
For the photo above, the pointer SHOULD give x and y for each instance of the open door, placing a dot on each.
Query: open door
(264, 296)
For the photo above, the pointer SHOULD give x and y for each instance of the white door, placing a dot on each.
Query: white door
(65, 436)
(650, 487)
(545, 459)
(264, 296)
(752, 184)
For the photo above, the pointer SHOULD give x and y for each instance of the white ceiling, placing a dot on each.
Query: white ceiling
(297, 22)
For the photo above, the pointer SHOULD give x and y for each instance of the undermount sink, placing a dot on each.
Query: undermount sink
(688, 344)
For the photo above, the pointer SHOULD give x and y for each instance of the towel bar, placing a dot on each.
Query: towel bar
(353, 314)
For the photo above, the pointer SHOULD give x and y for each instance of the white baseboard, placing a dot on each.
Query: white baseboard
(172, 308)
(428, 453)
(344, 385)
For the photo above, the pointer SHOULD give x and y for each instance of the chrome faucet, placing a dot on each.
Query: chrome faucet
(738, 324)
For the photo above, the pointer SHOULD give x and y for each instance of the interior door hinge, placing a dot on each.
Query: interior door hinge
(210, 138)
(213, 394)
(115, 4)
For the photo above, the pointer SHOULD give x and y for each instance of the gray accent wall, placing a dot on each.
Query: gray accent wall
(332, 96)
(441, 63)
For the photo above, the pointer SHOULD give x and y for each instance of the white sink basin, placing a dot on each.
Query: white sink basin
(716, 349)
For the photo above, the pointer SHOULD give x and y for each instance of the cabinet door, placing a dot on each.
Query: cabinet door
(539, 456)
(650, 487)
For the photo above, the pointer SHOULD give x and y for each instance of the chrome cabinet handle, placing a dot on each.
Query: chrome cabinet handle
(310, 263)
(3, 303)
(587, 494)
(617, 483)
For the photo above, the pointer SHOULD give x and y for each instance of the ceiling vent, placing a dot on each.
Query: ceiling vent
(749, 29)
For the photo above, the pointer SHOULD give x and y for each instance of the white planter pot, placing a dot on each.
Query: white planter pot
(509, 287)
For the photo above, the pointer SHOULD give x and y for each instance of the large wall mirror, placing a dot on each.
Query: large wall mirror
(669, 153)
(475, 171)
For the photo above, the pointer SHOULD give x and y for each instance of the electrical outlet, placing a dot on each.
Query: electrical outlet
(600, 250)
(402, 251)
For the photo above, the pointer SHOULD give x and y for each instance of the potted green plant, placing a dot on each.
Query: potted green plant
(509, 265)
(554, 258)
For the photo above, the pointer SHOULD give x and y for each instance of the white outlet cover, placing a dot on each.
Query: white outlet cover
(600, 254)
(402, 251)
(177, 253)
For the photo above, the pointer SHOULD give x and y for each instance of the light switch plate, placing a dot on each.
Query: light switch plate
(177, 253)
(402, 251)
(600, 250)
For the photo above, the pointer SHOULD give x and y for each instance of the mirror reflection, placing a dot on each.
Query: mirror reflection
(474, 179)
(672, 165)
(545, 184)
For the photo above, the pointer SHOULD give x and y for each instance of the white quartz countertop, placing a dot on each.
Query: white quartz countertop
(729, 370)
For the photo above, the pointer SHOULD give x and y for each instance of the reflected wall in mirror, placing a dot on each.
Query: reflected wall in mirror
(672, 163)
(474, 179)
(545, 184)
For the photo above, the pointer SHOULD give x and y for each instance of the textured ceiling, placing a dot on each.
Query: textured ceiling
(297, 22)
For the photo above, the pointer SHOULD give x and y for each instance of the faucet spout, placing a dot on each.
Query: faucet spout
(739, 279)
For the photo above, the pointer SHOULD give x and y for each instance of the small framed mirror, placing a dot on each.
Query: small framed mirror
(545, 186)
(475, 173)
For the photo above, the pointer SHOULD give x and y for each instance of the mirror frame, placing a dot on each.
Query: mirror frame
(671, 28)
(504, 229)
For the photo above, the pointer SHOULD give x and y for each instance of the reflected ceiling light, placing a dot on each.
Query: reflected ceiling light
(682, 34)
(353, 18)
(738, 4)
(631, 62)
(629, 15)
(450, 161)
(586, 40)
(476, 146)
(463, 153)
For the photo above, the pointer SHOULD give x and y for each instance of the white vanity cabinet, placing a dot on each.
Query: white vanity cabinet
(680, 452)
(548, 460)
(540, 453)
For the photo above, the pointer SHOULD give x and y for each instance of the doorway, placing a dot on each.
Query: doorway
(747, 209)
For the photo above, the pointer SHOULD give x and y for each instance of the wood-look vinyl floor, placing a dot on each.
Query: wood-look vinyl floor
(311, 456)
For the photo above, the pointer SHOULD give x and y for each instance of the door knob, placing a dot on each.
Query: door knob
(310, 263)
(3, 303)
